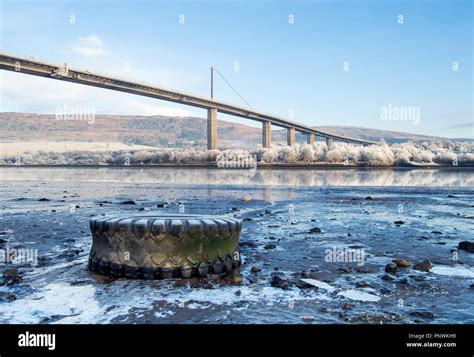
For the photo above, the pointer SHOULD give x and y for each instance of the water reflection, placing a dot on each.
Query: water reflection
(264, 177)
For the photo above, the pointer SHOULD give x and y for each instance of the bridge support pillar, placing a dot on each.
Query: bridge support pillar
(266, 134)
(310, 139)
(290, 138)
(211, 129)
(329, 142)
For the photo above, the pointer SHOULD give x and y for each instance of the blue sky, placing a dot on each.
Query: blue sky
(283, 67)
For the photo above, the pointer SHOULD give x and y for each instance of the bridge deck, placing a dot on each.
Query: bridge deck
(43, 69)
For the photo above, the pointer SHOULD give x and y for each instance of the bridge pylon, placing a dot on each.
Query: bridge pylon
(328, 142)
(266, 134)
(310, 138)
(211, 129)
(290, 136)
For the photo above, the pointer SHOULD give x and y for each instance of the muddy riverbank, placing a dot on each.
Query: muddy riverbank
(295, 225)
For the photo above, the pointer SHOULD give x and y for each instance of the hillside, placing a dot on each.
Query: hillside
(160, 131)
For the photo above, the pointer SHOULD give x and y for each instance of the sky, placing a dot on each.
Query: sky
(393, 65)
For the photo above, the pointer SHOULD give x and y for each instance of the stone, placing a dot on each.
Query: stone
(128, 202)
(269, 246)
(6, 296)
(391, 268)
(363, 284)
(44, 199)
(234, 278)
(278, 282)
(370, 198)
(402, 263)
(425, 265)
(399, 223)
(11, 276)
(315, 230)
(300, 284)
(422, 314)
(467, 246)
(255, 269)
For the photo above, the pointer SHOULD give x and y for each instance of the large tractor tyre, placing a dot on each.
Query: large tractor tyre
(164, 246)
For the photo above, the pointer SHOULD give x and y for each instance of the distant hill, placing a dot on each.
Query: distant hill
(161, 131)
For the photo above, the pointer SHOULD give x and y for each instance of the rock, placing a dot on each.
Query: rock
(300, 284)
(425, 265)
(346, 306)
(6, 297)
(436, 232)
(467, 246)
(255, 269)
(11, 276)
(160, 204)
(422, 314)
(238, 293)
(234, 278)
(245, 199)
(363, 284)
(451, 196)
(315, 230)
(402, 263)
(141, 209)
(44, 199)
(77, 206)
(278, 282)
(247, 219)
(391, 268)
(370, 198)
(248, 244)
(269, 246)
(403, 281)
(308, 318)
(345, 270)
(399, 222)
(472, 286)
(128, 202)
(388, 277)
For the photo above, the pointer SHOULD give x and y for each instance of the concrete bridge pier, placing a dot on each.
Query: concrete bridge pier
(329, 142)
(266, 134)
(310, 139)
(290, 137)
(211, 129)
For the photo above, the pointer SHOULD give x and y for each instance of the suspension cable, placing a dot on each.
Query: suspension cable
(230, 85)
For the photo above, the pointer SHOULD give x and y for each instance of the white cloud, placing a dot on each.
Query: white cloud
(89, 46)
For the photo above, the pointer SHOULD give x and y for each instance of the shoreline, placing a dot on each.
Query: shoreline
(259, 166)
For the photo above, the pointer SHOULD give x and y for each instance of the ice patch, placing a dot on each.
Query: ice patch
(319, 284)
(354, 294)
(73, 303)
(457, 270)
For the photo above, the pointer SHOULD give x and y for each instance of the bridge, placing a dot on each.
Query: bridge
(32, 66)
